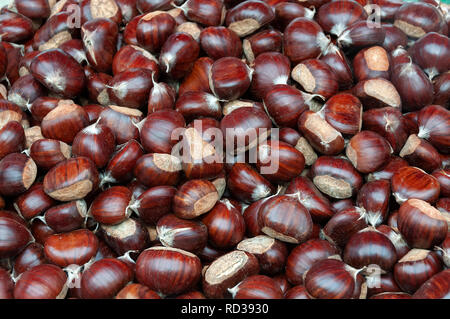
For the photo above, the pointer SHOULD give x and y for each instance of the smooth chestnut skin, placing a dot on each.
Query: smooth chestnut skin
(14, 237)
(229, 78)
(429, 53)
(131, 57)
(303, 39)
(153, 29)
(12, 138)
(422, 225)
(183, 234)
(384, 284)
(168, 270)
(178, 54)
(285, 104)
(17, 174)
(337, 61)
(297, 292)
(309, 196)
(157, 130)
(433, 122)
(248, 16)
(303, 256)
(216, 282)
(437, 287)
(194, 198)
(95, 142)
(271, 253)
(41, 282)
(154, 203)
(368, 151)
(331, 279)
(64, 122)
(225, 224)
(372, 63)
(269, 69)
(412, 182)
(66, 217)
(336, 177)
(344, 113)
(279, 162)
(112, 205)
(121, 120)
(373, 197)
(58, 72)
(47, 152)
(219, 42)
(334, 17)
(76, 247)
(71, 179)
(264, 41)
(257, 287)
(251, 218)
(105, 278)
(197, 78)
(420, 153)
(442, 90)
(25, 90)
(245, 184)
(415, 268)
(136, 291)
(284, 218)
(387, 171)
(33, 202)
(370, 247)
(394, 37)
(15, 27)
(443, 177)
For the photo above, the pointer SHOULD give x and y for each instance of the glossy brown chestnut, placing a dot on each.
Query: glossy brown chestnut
(162, 96)
(433, 122)
(216, 282)
(297, 292)
(323, 137)
(183, 234)
(121, 120)
(112, 205)
(178, 54)
(59, 72)
(47, 152)
(194, 198)
(394, 37)
(303, 256)
(248, 16)
(388, 170)
(153, 29)
(337, 61)
(158, 169)
(104, 278)
(25, 90)
(205, 12)
(154, 203)
(196, 104)
(12, 138)
(17, 174)
(15, 27)
(264, 41)
(422, 225)
(437, 287)
(256, 287)
(412, 182)
(219, 42)
(442, 90)
(361, 34)
(373, 197)
(76, 247)
(418, 152)
(66, 217)
(33, 202)
(336, 177)
(309, 196)
(197, 78)
(41, 282)
(131, 56)
(344, 112)
(168, 270)
(71, 179)
(225, 225)
(14, 237)
(129, 235)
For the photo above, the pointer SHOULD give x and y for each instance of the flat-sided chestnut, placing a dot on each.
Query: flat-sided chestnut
(216, 281)
(194, 198)
(17, 174)
(344, 113)
(12, 138)
(418, 152)
(372, 63)
(71, 179)
(129, 235)
(256, 287)
(434, 126)
(33, 202)
(248, 16)
(14, 237)
(422, 225)
(168, 270)
(121, 120)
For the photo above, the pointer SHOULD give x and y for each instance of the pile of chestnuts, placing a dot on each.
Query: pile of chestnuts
(224, 149)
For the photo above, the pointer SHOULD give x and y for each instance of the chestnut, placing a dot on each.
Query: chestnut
(394, 37)
(416, 267)
(121, 120)
(256, 287)
(442, 90)
(249, 16)
(194, 198)
(362, 34)
(387, 171)
(303, 256)
(264, 41)
(422, 225)
(297, 292)
(197, 78)
(229, 78)
(336, 177)
(437, 287)
(154, 203)
(344, 113)
(205, 12)
(112, 206)
(198, 104)
(46, 153)
(129, 235)
(294, 138)
(71, 179)
(66, 217)
(47, 67)
(15, 27)
(246, 184)
(225, 225)
(304, 39)
(241, 265)
(17, 174)
(92, 9)
(368, 151)
(372, 249)
(316, 77)
(25, 90)
(372, 63)
(412, 182)
(104, 278)
(14, 237)
(12, 138)
(168, 271)
(433, 122)
(189, 235)
(33, 202)
(132, 57)
(373, 197)
(332, 279)
(284, 218)
(420, 153)
(153, 29)
(41, 282)
(337, 61)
